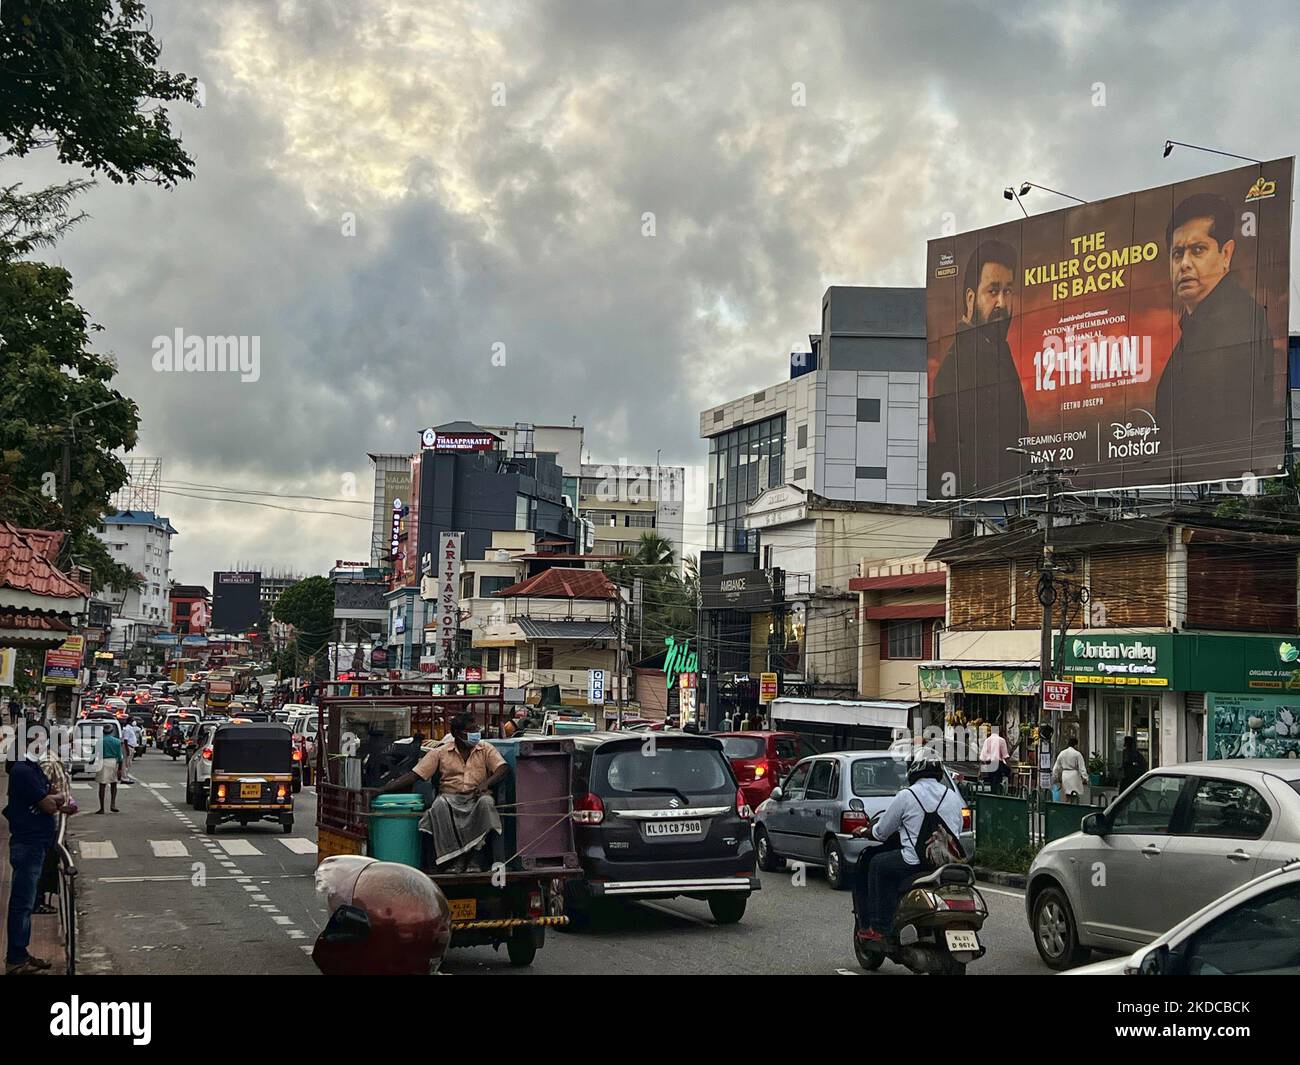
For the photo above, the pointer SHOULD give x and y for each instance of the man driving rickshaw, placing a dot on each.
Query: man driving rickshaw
(252, 775)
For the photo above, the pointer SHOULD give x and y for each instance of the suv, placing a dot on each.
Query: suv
(198, 770)
(811, 817)
(761, 760)
(657, 817)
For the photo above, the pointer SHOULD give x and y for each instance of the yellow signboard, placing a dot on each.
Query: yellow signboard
(766, 687)
(999, 681)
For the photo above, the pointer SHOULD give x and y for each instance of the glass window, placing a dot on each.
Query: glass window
(874, 777)
(492, 659)
(673, 771)
(868, 410)
(491, 585)
(1228, 809)
(803, 436)
(1258, 937)
(903, 639)
(1150, 808)
(546, 658)
(789, 748)
(794, 783)
(819, 780)
(744, 747)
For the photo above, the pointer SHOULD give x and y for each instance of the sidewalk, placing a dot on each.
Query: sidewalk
(47, 942)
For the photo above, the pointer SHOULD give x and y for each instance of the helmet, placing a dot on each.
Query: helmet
(924, 762)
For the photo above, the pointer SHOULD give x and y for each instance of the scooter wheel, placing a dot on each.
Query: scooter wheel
(869, 960)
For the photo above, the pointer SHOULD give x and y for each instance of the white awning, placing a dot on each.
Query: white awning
(880, 713)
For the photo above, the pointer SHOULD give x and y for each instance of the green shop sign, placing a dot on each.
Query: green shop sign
(681, 659)
(1120, 660)
(934, 679)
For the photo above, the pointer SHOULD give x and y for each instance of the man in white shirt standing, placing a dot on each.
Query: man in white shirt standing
(994, 756)
(131, 739)
(891, 872)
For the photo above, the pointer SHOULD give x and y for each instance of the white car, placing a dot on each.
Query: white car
(84, 751)
(304, 721)
(1253, 930)
(198, 770)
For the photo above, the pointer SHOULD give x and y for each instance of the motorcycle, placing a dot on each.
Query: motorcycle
(941, 915)
(174, 744)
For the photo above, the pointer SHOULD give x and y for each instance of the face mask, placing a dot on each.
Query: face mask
(473, 738)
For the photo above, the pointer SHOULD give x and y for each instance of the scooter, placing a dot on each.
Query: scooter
(173, 744)
(936, 926)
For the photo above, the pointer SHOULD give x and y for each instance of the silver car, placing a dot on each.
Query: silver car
(1172, 843)
(812, 815)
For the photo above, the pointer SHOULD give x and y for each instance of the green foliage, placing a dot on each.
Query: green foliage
(309, 607)
(1278, 499)
(668, 601)
(1004, 858)
(34, 220)
(48, 373)
(82, 75)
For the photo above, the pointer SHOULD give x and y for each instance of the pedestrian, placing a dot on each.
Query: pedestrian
(15, 709)
(1132, 764)
(994, 757)
(110, 762)
(52, 765)
(32, 831)
(130, 741)
(1070, 774)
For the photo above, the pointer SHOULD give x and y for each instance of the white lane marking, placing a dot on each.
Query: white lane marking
(282, 920)
(296, 933)
(307, 948)
(995, 891)
(259, 897)
(168, 848)
(97, 850)
(166, 879)
(82, 787)
(846, 972)
(298, 845)
(677, 913)
(238, 847)
(155, 786)
(269, 908)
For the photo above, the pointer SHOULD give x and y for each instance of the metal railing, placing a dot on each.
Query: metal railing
(67, 899)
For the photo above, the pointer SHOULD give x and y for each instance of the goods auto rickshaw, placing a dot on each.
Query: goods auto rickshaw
(252, 775)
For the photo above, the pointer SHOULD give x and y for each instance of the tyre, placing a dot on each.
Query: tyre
(297, 785)
(210, 827)
(870, 960)
(728, 909)
(768, 860)
(1056, 933)
(837, 872)
(200, 797)
(189, 794)
(522, 948)
(287, 825)
(577, 908)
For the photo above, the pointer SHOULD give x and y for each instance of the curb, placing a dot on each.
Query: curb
(993, 876)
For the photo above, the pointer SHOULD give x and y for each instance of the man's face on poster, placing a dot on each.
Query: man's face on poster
(991, 303)
(1197, 262)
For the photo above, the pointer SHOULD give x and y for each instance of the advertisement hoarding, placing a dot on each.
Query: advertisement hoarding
(236, 601)
(448, 605)
(1140, 339)
(63, 663)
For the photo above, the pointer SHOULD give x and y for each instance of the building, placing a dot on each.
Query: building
(191, 609)
(563, 443)
(848, 424)
(624, 502)
(141, 541)
(1187, 641)
(901, 608)
(360, 616)
(40, 605)
(392, 482)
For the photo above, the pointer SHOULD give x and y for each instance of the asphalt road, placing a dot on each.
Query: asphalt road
(159, 896)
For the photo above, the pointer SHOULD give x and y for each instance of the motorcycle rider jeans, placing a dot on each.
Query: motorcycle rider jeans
(888, 876)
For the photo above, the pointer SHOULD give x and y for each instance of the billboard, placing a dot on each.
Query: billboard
(448, 608)
(63, 664)
(1139, 339)
(236, 601)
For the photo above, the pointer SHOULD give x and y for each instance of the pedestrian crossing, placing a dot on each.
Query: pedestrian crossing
(223, 849)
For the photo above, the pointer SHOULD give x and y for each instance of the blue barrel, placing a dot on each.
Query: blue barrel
(395, 828)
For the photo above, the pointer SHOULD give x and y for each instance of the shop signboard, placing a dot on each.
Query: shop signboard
(767, 687)
(1252, 726)
(1000, 681)
(1120, 660)
(940, 680)
(63, 663)
(1058, 695)
(8, 656)
(750, 590)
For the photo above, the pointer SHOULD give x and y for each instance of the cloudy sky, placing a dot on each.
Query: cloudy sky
(386, 189)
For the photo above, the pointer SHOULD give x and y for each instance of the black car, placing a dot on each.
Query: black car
(656, 816)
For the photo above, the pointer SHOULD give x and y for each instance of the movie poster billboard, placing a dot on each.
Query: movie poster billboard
(1139, 339)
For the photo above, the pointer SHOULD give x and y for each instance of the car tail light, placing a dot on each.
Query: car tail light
(742, 805)
(280, 793)
(297, 755)
(851, 820)
(207, 753)
(965, 818)
(588, 809)
(221, 793)
(760, 770)
(534, 904)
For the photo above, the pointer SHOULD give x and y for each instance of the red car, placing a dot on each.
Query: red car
(761, 760)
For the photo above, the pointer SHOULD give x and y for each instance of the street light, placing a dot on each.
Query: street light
(1010, 194)
(1025, 186)
(1169, 147)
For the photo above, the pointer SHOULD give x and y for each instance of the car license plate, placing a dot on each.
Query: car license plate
(464, 909)
(962, 941)
(250, 791)
(673, 828)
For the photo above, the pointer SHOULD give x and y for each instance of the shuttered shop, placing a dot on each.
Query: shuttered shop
(980, 595)
(1128, 587)
(1247, 588)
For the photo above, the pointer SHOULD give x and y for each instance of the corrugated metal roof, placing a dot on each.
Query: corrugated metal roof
(566, 630)
(138, 517)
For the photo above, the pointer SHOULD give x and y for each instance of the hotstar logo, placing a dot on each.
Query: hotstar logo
(1288, 652)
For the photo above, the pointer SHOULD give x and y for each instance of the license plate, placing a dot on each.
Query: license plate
(464, 909)
(250, 791)
(962, 941)
(673, 828)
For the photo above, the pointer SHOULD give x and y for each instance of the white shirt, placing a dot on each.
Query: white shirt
(994, 752)
(131, 734)
(905, 814)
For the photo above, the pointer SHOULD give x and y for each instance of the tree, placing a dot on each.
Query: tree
(309, 607)
(668, 604)
(82, 75)
(48, 374)
(1275, 499)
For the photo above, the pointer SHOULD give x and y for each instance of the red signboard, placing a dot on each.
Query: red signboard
(1058, 694)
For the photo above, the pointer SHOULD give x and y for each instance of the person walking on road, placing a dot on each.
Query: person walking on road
(994, 756)
(32, 831)
(1132, 765)
(1070, 774)
(130, 741)
(110, 761)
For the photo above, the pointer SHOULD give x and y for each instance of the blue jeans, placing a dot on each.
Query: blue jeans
(27, 860)
(888, 876)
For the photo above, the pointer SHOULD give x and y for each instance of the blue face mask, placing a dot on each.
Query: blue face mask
(473, 738)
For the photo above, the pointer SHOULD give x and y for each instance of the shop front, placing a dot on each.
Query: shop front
(969, 698)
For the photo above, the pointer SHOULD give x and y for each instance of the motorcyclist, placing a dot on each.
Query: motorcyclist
(890, 871)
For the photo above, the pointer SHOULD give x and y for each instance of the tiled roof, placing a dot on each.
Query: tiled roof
(564, 583)
(25, 564)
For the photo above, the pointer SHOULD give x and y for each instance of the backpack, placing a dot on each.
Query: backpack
(935, 843)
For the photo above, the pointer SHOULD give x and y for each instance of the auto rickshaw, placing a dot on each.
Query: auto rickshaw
(252, 775)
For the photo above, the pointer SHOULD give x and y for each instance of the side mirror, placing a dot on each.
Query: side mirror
(1094, 825)
(348, 924)
(1155, 962)
(777, 794)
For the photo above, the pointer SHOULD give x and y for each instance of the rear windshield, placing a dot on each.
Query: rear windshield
(743, 746)
(682, 770)
(878, 776)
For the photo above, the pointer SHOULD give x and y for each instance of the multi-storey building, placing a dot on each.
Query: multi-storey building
(140, 540)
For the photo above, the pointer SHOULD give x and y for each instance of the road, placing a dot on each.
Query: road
(159, 896)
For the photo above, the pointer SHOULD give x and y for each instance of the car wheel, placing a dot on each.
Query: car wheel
(189, 794)
(836, 872)
(200, 797)
(287, 825)
(768, 860)
(297, 786)
(211, 826)
(728, 909)
(1056, 934)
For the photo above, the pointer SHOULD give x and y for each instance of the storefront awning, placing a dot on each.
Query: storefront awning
(881, 713)
(979, 678)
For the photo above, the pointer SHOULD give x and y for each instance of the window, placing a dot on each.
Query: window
(1228, 809)
(902, 639)
(718, 415)
(868, 410)
(491, 585)
(639, 521)
(1149, 810)
(1260, 936)
(872, 473)
(789, 748)
(673, 771)
(793, 787)
(492, 659)
(546, 658)
(877, 777)
(803, 437)
(821, 780)
(512, 659)
(800, 473)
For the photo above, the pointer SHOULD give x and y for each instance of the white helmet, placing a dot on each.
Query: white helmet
(925, 762)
